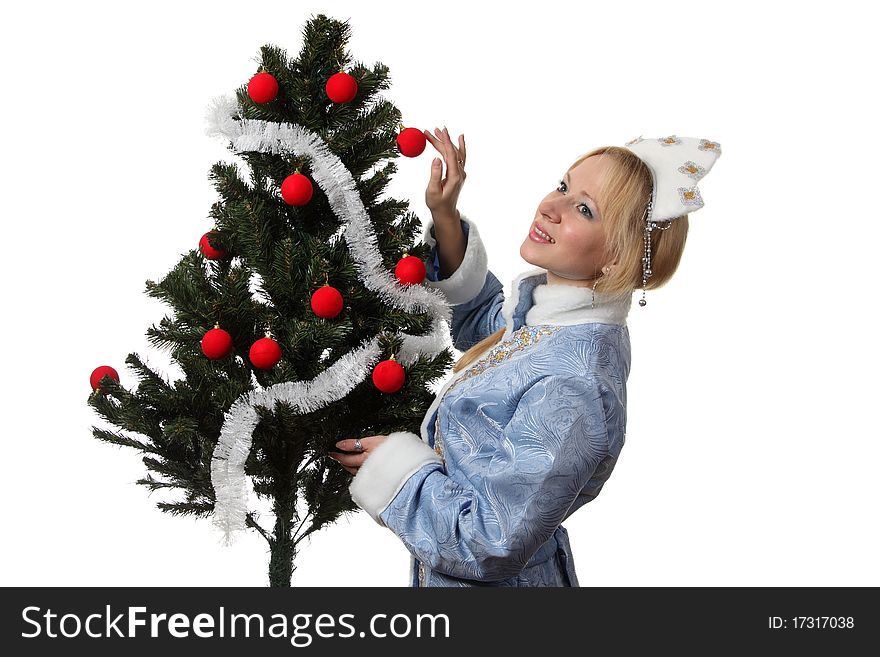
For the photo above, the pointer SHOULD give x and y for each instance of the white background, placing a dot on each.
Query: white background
(751, 455)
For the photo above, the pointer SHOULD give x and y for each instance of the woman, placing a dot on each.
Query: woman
(531, 425)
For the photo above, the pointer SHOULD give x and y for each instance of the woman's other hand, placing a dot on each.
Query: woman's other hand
(352, 460)
(441, 197)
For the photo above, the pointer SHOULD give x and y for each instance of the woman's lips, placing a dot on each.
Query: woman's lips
(533, 235)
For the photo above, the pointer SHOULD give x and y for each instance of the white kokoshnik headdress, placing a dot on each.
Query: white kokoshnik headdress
(677, 165)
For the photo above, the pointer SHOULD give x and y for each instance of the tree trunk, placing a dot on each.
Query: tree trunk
(283, 552)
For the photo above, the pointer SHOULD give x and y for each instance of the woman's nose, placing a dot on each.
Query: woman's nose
(550, 210)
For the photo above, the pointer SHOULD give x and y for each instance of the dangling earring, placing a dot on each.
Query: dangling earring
(593, 294)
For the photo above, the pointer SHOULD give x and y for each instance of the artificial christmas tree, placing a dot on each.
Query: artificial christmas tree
(362, 371)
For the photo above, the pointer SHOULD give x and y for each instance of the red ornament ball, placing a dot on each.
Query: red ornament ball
(263, 87)
(98, 374)
(216, 344)
(297, 189)
(388, 376)
(327, 302)
(341, 87)
(410, 270)
(209, 251)
(265, 353)
(411, 142)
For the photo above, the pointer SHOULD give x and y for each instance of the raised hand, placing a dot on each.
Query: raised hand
(441, 197)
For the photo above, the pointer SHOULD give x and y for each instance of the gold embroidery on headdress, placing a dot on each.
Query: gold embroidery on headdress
(690, 196)
(706, 145)
(692, 169)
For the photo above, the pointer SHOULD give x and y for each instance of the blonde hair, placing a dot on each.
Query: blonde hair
(625, 191)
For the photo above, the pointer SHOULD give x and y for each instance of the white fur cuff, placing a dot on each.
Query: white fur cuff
(386, 470)
(467, 281)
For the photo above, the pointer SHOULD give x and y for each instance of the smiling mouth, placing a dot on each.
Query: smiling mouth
(535, 236)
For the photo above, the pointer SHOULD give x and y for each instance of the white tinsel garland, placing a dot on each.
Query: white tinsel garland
(236, 435)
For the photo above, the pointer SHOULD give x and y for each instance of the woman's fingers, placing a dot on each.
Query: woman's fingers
(447, 141)
(452, 155)
(345, 462)
(458, 153)
(354, 456)
(434, 181)
(431, 138)
(350, 460)
(442, 142)
(445, 146)
(454, 158)
(367, 442)
(353, 460)
(440, 145)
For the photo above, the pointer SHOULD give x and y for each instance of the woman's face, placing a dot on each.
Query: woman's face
(572, 218)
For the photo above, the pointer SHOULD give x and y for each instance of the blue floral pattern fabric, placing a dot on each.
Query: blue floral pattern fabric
(526, 440)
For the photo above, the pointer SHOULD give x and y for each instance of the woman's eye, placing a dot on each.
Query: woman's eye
(589, 212)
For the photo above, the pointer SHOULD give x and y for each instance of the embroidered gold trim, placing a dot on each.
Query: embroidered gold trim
(523, 337)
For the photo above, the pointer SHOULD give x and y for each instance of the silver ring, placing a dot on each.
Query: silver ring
(357, 445)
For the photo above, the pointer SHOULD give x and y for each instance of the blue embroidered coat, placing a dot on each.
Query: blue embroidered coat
(513, 444)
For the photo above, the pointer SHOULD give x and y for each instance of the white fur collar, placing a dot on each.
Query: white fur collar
(560, 304)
